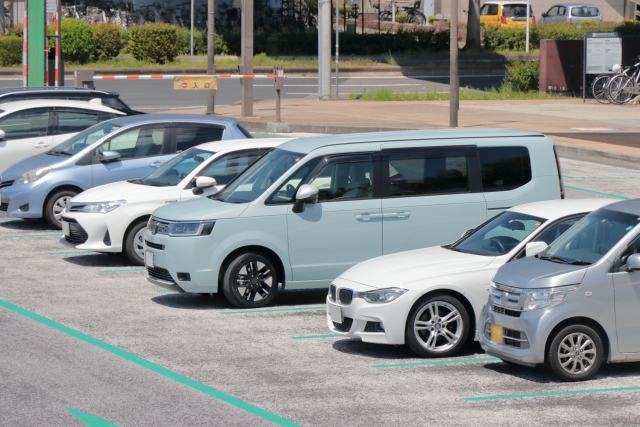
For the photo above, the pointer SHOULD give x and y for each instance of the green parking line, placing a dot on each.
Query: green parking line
(551, 393)
(69, 252)
(586, 190)
(27, 236)
(310, 337)
(210, 391)
(9, 219)
(123, 270)
(275, 310)
(438, 362)
(163, 290)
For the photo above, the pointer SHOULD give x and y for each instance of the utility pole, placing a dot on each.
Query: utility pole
(211, 51)
(324, 49)
(247, 57)
(454, 81)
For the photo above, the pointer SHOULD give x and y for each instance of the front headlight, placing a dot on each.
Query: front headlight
(180, 229)
(382, 296)
(543, 298)
(32, 176)
(102, 207)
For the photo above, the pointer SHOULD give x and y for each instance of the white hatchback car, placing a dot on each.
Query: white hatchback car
(431, 298)
(113, 217)
(28, 128)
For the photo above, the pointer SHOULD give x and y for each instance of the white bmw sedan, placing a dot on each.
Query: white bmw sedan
(112, 218)
(430, 298)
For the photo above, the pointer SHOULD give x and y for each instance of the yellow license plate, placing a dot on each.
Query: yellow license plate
(497, 334)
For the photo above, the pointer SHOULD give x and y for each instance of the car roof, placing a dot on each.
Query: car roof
(35, 103)
(505, 2)
(574, 4)
(308, 144)
(554, 209)
(240, 144)
(626, 206)
(59, 89)
(173, 118)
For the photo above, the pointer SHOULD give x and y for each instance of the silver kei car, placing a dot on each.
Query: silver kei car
(571, 12)
(575, 305)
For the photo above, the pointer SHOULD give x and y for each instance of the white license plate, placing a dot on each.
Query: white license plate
(65, 228)
(335, 313)
(148, 259)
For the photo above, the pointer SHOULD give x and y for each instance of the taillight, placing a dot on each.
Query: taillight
(503, 19)
(533, 19)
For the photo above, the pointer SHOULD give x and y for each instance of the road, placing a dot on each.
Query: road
(159, 95)
(85, 338)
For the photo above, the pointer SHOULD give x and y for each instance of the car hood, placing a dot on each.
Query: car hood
(409, 269)
(35, 162)
(122, 190)
(532, 273)
(200, 209)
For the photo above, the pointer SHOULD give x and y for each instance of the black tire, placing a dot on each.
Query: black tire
(262, 284)
(418, 19)
(592, 353)
(433, 338)
(132, 246)
(52, 209)
(598, 89)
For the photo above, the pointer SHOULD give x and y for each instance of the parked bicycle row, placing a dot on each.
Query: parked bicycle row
(622, 86)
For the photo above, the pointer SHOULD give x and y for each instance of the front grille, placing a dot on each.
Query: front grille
(374, 327)
(154, 245)
(505, 311)
(77, 235)
(4, 205)
(6, 183)
(345, 296)
(512, 338)
(332, 293)
(345, 326)
(160, 274)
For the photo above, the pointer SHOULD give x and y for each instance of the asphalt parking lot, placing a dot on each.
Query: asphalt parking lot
(84, 338)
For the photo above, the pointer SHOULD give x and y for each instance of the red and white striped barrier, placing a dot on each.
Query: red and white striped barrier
(173, 76)
(57, 77)
(24, 51)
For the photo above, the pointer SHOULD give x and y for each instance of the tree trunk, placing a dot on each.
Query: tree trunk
(473, 26)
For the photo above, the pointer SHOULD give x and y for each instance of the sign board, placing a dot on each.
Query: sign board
(603, 51)
(195, 83)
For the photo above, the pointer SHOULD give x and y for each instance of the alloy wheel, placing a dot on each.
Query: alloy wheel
(577, 353)
(59, 206)
(254, 281)
(438, 326)
(138, 243)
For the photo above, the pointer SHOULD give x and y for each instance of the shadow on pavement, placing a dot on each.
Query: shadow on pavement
(26, 225)
(399, 353)
(100, 260)
(541, 375)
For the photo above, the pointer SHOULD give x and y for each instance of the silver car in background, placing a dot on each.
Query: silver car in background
(575, 305)
(571, 12)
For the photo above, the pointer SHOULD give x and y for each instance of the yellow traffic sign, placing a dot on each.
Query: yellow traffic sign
(195, 82)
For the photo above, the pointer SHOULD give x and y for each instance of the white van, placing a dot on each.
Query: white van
(314, 207)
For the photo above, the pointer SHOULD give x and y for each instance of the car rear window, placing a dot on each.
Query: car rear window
(504, 168)
(516, 11)
(489, 10)
(585, 11)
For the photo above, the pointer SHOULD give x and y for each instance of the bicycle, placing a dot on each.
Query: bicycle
(384, 15)
(414, 16)
(622, 88)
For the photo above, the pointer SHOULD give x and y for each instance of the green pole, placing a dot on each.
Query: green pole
(36, 12)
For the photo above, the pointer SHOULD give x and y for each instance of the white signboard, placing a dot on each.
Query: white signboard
(604, 50)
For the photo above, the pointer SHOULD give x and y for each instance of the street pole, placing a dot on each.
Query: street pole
(211, 51)
(337, 50)
(324, 49)
(454, 82)
(527, 36)
(247, 57)
(191, 27)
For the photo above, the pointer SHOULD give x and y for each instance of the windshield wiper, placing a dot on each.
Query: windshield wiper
(554, 258)
(58, 153)
(580, 262)
(135, 181)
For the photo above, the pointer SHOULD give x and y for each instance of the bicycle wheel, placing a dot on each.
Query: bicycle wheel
(617, 86)
(598, 89)
(385, 16)
(417, 18)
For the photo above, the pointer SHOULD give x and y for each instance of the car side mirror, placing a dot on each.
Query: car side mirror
(306, 194)
(544, 15)
(2, 134)
(109, 156)
(633, 262)
(201, 183)
(534, 248)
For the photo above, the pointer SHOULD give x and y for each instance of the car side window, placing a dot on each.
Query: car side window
(72, 121)
(553, 11)
(188, 136)
(228, 167)
(504, 168)
(26, 124)
(552, 233)
(428, 172)
(489, 10)
(620, 263)
(346, 178)
(561, 10)
(287, 191)
(135, 143)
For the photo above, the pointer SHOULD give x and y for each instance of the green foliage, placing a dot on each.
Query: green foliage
(199, 42)
(78, 42)
(588, 23)
(523, 76)
(10, 50)
(18, 30)
(156, 43)
(430, 19)
(401, 18)
(501, 93)
(108, 41)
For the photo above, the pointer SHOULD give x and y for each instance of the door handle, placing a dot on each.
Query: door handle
(41, 145)
(367, 217)
(156, 163)
(397, 215)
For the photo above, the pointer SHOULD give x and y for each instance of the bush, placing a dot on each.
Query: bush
(401, 18)
(18, 30)
(10, 50)
(523, 76)
(199, 41)
(78, 43)
(108, 41)
(156, 43)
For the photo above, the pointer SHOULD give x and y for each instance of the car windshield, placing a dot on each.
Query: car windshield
(175, 170)
(250, 185)
(499, 235)
(84, 139)
(591, 238)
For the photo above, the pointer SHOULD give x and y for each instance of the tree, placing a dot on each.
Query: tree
(473, 26)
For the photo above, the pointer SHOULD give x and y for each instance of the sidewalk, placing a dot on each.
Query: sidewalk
(591, 130)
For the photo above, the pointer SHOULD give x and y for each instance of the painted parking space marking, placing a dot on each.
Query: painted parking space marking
(275, 310)
(163, 290)
(586, 190)
(69, 252)
(10, 219)
(310, 337)
(91, 420)
(28, 236)
(123, 270)
(552, 393)
(438, 362)
(210, 391)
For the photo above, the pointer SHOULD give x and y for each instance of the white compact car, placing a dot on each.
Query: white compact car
(28, 128)
(431, 298)
(113, 217)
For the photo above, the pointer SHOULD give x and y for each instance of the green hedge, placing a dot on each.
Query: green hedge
(156, 43)
(199, 42)
(10, 50)
(523, 76)
(108, 41)
(78, 42)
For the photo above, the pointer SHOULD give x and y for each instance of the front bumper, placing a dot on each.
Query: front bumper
(524, 338)
(22, 201)
(105, 232)
(373, 323)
